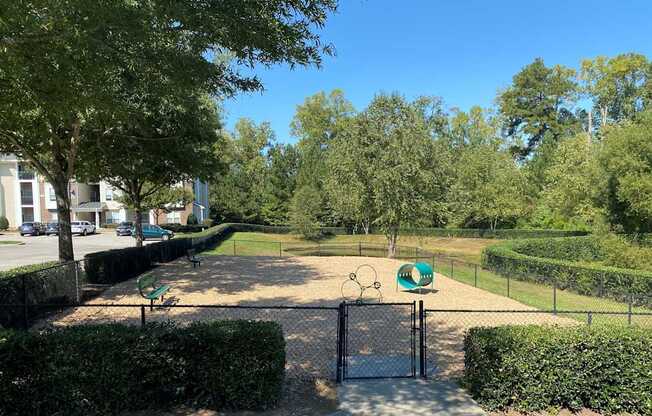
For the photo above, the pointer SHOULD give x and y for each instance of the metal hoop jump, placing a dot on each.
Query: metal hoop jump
(408, 280)
(354, 286)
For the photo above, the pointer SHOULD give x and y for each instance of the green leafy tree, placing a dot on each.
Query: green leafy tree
(317, 122)
(626, 158)
(571, 184)
(238, 195)
(489, 187)
(478, 126)
(350, 171)
(160, 146)
(305, 209)
(538, 104)
(618, 86)
(280, 183)
(65, 64)
(407, 179)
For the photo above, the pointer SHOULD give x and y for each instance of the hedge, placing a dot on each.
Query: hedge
(184, 228)
(42, 283)
(429, 232)
(512, 259)
(534, 368)
(108, 369)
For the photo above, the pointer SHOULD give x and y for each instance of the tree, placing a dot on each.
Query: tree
(395, 141)
(476, 127)
(626, 158)
(165, 200)
(283, 165)
(572, 183)
(304, 212)
(538, 104)
(317, 122)
(160, 146)
(618, 86)
(348, 182)
(489, 187)
(62, 65)
(238, 195)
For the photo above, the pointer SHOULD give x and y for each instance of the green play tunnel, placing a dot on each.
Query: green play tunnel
(414, 276)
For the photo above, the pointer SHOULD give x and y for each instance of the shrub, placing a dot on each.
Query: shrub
(506, 234)
(108, 369)
(4, 223)
(181, 228)
(520, 259)
(192, 220)
(207, 223)
(531, 368)
(41, 283)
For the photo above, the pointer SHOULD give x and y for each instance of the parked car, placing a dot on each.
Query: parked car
(52, 228)
(31, 228)
(82, 227)
(154, 231)
(124, 228)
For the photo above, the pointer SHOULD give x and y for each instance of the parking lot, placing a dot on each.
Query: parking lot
(45, 248)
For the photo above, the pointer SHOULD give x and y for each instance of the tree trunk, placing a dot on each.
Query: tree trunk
(392, 237)
(66, 252)
(365, 226)
(589, 128)
(138, 223)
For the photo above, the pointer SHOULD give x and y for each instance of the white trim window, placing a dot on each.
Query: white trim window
(52, 194)
(173, 217)
(108, 195)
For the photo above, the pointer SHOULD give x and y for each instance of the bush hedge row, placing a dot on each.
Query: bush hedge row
(184, 228)
(512, 259)
(108, 369)
(534, 368)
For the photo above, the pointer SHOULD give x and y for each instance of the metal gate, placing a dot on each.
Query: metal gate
(377, 340)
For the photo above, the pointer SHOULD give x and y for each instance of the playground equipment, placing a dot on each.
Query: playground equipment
(353, 289)
(407, 279)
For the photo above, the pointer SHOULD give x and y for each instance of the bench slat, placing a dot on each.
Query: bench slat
(158, 292)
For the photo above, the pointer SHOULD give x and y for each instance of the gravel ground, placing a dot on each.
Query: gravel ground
(315, 281)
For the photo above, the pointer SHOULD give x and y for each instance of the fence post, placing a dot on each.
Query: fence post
(451, 269)
(25, 307)
(280, 249)
(142, 315)
(360, 248)
(416, 254)
(589, 318)
(508, 279)
(629, 308)
(340, 342)
(422, 341)
(554, 297)
(77, 297)
(234, 247)
(476, 275)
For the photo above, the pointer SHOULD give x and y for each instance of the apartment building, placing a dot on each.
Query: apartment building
(25, 196)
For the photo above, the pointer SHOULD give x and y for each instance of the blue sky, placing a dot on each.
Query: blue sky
(462, 51)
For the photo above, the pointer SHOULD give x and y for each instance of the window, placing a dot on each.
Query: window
(53, 195)
(109, 194)
(24, 173)
(174, 217)
(28, 214)
(26, 196)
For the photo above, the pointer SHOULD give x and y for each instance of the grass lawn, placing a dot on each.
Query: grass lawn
(9, 242)
(460, 253)
(466, 249)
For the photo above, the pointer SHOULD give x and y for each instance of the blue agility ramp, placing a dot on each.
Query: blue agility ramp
(415, 276)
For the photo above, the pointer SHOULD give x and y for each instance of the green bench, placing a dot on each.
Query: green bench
(151, 288)
(193, 258)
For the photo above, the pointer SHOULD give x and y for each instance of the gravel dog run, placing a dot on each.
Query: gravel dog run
(315, 281)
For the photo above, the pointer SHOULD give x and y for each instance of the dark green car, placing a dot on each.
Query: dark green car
(153, 231)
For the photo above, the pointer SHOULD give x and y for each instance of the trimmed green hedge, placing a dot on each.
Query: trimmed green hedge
(108, 369)
(533, 368)
(504, 234)
(519, 259)
(184, 228)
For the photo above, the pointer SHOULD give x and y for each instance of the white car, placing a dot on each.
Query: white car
(82, 227)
